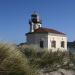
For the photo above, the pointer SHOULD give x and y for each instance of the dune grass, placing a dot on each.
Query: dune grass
(26, 60)
(45, 59)
(13, 61)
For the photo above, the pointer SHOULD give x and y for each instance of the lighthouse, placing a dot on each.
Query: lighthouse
(34, 22)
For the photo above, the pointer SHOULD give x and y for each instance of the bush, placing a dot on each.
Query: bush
(13, 61)
(44, 58)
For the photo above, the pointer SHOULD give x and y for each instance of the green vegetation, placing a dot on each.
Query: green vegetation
(27, 60)
(13, 61)
(52, 60)
(71, 44)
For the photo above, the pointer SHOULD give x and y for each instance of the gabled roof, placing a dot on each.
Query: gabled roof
(46, 30)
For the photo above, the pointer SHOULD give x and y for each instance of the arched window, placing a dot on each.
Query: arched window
(41, 44)
(53, 44)
(38, 26)
(62, 44)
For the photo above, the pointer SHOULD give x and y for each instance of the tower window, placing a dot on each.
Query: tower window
(62, 44)
(53, 44)
(41, 44)
(39, 26)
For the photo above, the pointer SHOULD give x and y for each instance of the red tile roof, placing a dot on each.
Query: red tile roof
(46, 30)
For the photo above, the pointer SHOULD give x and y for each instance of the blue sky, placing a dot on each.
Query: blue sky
(14, 16)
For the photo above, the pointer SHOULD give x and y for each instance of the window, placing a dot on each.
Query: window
(53, 44)
(38, 26)
(62, 44)
(41, 44)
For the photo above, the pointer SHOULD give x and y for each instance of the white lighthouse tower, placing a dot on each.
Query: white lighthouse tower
(34, 22)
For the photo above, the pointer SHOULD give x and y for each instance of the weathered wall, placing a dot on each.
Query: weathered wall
(36, 38)
(47, 38)
(58, 38)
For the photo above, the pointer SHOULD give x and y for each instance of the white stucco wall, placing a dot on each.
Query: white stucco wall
(47, 38)
(36, 38)
(58, 38)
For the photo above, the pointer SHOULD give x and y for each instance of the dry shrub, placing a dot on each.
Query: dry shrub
(13, 61)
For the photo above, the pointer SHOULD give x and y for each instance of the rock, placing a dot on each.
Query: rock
(58, 72)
